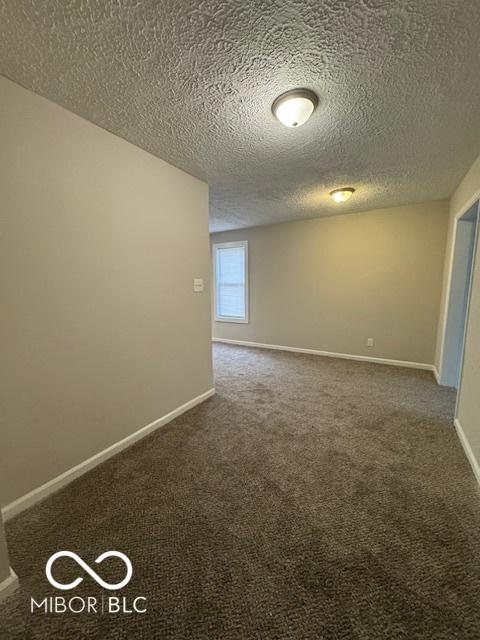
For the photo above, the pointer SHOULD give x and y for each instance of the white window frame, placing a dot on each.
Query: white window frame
(229, 245)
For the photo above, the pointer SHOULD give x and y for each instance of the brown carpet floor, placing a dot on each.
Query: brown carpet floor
(310, 498)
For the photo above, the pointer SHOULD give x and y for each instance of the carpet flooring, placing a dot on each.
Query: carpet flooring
(310, 498)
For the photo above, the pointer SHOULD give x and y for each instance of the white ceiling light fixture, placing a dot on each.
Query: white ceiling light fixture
(342, 195)
(295, 107)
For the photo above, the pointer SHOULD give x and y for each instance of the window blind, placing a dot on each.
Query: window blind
(230, 282)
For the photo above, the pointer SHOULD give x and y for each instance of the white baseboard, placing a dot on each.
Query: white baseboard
(468, 450)
(31, 498)
(330, 354)
(436, 374)
(8, 586)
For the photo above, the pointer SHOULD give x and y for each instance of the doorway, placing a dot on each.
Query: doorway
(459, 293)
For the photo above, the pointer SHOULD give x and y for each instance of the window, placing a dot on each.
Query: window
(230, 266)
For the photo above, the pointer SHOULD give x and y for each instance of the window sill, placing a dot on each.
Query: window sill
(235, 320)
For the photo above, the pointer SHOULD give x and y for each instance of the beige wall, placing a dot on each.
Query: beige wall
(101, 332)
(468, 410)
(468, 406)
(330, 283)
(467, 192)
(463, 197)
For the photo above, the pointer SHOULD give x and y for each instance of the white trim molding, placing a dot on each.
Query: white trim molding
(468, 449)
(443, 319)
(40, 493)
(8, 586)
(436, 374)
(330, 354)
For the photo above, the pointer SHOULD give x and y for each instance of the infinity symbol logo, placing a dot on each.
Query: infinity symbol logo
(91, 572)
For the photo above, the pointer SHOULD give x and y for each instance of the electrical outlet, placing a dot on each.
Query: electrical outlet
(370, 342)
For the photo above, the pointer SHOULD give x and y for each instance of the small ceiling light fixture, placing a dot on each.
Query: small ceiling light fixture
(342, 195)
(294, 107)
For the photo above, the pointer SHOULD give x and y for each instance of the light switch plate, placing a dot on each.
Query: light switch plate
(198, 285)
(370, 342)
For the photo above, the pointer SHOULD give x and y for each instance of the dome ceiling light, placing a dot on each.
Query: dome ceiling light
(342, 195)
(295, 107)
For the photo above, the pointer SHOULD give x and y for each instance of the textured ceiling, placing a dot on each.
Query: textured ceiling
(193, 81)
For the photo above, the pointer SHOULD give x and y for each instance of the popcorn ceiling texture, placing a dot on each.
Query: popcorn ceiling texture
(192, 82)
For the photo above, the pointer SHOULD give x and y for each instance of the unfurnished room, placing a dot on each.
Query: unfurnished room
(240, 320)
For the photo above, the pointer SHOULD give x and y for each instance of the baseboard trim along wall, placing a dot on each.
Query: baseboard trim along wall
(468, 450)
(8, 586)
(330, 354)
(31, 498)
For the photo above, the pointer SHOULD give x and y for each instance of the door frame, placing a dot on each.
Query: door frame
(459, 216)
